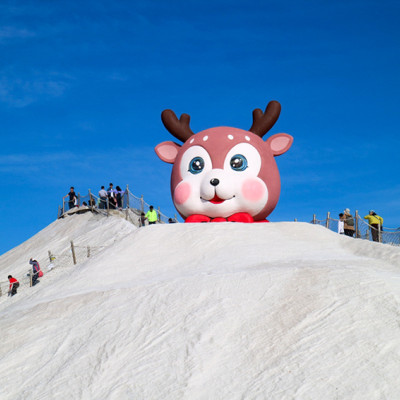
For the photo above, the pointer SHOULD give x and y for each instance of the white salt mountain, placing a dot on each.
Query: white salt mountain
(202, 311)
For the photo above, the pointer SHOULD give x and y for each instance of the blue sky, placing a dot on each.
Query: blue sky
(83, 84)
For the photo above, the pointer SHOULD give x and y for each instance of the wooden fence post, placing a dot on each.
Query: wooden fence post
(88, 252)
(328, 216)
(73, 252)
(30, 278)
(158, 214)
(314, 219)
(142, 203)
(127, 196)
(357, 231)
(90, 200)
(79, 199)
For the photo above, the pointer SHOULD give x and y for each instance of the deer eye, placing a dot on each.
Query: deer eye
(238, 162)
(196, 165)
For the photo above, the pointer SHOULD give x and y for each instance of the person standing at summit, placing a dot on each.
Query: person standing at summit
(112, 196)
(151, 215)
(375, 223)
(72, 197)
(341, 224)
(120, 195)
(102, 198)
(348, 223)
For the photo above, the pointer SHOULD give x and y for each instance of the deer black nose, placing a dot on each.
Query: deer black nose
(214, 182)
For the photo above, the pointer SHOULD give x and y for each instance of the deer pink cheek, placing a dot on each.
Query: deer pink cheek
(182, 193)
(253, 190)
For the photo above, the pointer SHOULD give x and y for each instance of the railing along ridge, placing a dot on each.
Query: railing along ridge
(362, 230)
(128, 203)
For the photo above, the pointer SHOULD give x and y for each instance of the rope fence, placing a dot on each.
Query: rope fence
(75, 255)
(124, 200)
(362, 230)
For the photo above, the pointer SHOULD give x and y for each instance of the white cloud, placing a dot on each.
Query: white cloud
(24, 89)
(12, 32)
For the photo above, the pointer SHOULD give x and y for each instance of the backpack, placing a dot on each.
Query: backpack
(350, 221)
(38, 270)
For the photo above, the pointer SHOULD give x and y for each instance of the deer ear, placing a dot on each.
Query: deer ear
(279, 143)
(167, 151)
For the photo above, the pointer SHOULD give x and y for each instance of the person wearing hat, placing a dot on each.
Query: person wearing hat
(348, 223)
(375, 223)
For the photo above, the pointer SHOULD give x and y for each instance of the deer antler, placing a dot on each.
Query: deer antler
(177, 127)
(264, 121)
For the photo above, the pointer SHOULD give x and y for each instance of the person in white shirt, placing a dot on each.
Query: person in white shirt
(103, 198)
(341, 224)
(112, 197)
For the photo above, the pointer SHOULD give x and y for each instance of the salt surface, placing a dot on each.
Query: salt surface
(203, 311)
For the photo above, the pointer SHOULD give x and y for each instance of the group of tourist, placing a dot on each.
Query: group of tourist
(35, 274)
(112, 199)
(151, 216)
(346, 224)
(111, 196)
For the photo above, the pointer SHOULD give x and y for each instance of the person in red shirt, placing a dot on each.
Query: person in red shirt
(14, 284)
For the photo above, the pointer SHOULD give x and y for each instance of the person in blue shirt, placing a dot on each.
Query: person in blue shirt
(120, 194)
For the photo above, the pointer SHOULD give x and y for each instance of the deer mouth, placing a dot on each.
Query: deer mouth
(217, 200)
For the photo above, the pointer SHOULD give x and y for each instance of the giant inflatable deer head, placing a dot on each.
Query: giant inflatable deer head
(224, 174)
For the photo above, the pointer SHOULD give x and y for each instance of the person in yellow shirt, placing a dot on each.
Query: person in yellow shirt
(376, 223)
(151, 215)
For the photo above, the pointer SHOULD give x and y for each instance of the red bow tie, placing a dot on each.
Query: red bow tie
(238, 217)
